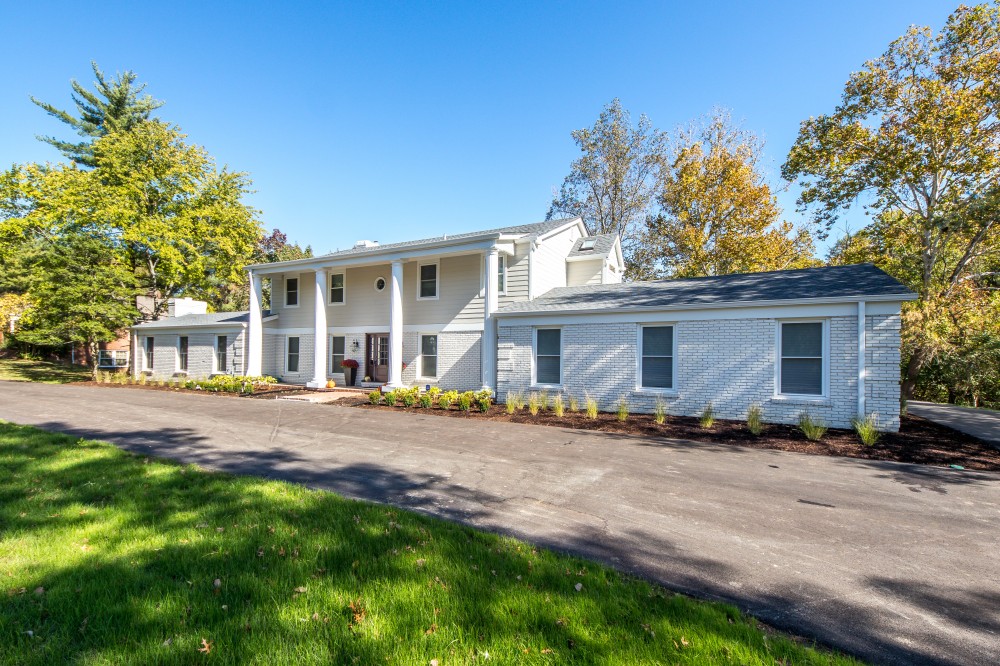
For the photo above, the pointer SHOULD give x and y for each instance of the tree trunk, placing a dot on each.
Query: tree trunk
(917, 361)
(92, 357)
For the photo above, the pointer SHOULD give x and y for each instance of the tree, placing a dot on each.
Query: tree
(613, 182)
(115, 106)
(718, 214)
(917, 138)
(235, 296)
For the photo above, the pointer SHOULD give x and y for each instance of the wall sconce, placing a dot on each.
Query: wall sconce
(355, 345)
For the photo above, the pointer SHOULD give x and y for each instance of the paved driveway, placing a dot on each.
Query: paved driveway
(895, 563)
(981, 423)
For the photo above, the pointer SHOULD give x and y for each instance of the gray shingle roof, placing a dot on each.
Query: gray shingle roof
(194, 320)
(603, 245)
(825, 282)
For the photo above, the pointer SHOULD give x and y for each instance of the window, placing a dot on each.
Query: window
(548, 356)
(292, 292)
(337, 353)
(148, 356)
(182, 353)
(337, 292)
(428, 356)
(588, 244)
(657, 348)
(220, 353)
(428, 287)
(502, 274)
(379, 283)
(801, 366)
(292, 355)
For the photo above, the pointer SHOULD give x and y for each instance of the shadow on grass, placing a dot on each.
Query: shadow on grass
(23, 370)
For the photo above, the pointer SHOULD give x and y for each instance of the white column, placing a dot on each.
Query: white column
(862, 370)
(396, 325)
(319, 331)
(255, 329)
(489, 343)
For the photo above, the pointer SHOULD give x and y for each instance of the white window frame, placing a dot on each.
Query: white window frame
(437, 280)
(638, 359)
(215, 354)
(534, 356)
(825, 383)
(385, 283)
(437, 357)
(334, 368)
(502, 271)
(298, 291)
(148, 350)
(329, 289)
(177, 366)
(298, 355)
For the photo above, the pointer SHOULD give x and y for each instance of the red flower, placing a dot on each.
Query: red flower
(349, 363)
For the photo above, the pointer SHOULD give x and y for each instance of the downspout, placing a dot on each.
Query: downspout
(862, 370)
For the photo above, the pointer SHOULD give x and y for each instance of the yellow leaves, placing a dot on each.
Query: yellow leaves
(206, 647)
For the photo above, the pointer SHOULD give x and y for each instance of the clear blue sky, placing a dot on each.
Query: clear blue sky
(393, 121)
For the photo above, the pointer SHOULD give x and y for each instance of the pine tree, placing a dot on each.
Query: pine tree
(115, 105)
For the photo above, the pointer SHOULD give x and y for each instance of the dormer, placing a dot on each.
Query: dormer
(595, 260)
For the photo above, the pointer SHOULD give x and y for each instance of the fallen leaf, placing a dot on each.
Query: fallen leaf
(432, 629)
(217, 582)
(206, 647)
(167, 642)
(300, 590)
(434, 662)
(39, 591)
(578, 586)
(546, 651)
(684, 642)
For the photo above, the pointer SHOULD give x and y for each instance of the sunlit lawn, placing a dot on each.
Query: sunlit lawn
(109, 558)
(23, 370)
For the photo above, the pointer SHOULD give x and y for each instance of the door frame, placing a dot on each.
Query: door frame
(369, 355)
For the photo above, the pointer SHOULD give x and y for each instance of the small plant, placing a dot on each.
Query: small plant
(660, 411)
(465, 401)
(755, 419)
(543, 400)
(391, 398)
(813, 429)
(622, 411)
(707, 418)
(446, 399)
(434, 392)
(375, 397)
(484, 399)
(511, 402)
(557, 405)
(143, 379)
(574, 404)
(590, 406)
(534, 403)
(867, 429)
(426, 400)
(409, 396)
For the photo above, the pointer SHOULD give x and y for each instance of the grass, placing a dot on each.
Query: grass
(812, 428)
(110, 558)
(24, 370)
(755, 419)
(707, 418)
(867, 429)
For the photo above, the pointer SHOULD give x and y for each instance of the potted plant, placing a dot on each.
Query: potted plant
(350, 367)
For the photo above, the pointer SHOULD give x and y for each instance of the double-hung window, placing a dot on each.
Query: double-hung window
(657, 357)
(502, 274)
(182, 353)
(292, 292)
(801, 364)
(221, 342)
(292, 355)
(148, 355)
(548, 356)
(337, 353)
(337, 291)
(428, 287)
(429, 356)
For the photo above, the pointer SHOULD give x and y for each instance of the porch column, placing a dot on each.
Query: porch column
(396, 325)
(319, 331)
(862, 369)
(489, 342)
(255, 329)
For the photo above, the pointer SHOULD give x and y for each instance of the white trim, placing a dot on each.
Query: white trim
(638, 359)
(334, 370)
(420, 356)
(588, 257)
(379, 256)
(177, 355)
(298, 291)
(531, 272)
(437, 280)
(862, 368)
(298, 356)
(825, 362)
(215, 354)
(329, 288)
(381, 326)
(573, 222)
(534, 355)
(385, 283)
(146, 340)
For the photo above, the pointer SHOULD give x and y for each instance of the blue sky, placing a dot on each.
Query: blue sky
(392, 121)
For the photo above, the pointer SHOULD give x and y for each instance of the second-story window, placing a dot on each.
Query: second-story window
(291, 292)
(502, 274)
(428, 281)
(337, 288)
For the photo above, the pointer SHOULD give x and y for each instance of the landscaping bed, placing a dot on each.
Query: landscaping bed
(918, 440)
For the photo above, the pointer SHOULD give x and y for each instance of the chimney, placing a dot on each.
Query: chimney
(178, 307)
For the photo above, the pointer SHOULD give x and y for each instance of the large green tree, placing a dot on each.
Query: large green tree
(116, 105)
(234, 296)
(916, 140)
(717, 212)
(612, 184)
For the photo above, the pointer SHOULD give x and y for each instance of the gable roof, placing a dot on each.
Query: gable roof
(855, 282)
(602, 246)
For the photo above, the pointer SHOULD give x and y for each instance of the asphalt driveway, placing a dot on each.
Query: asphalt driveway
(894, 563)
(981, 423)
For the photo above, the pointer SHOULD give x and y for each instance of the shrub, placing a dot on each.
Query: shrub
(591, 407)
(707, 418)
(755, 419)
(543, 400)
(484, 399)
(409, 396)
(557, 405)
(375, 397)
(465, 401)
(867, 429)
(659, 411)
(434, 392)
(622, 410)
(143, 378)
(574, 404)
(391, 397)
(513, 402)
(813, 429)
(534, 403)
(426, 400)
(447, 398)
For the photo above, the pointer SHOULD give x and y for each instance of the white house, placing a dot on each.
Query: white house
(543, 307)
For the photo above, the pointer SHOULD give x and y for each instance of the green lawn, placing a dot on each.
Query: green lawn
(22, 370)
(110, 558)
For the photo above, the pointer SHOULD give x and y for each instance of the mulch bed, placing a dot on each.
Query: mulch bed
(918, 440)
(266, 391)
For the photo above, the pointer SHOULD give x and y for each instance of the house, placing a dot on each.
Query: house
(543, 307)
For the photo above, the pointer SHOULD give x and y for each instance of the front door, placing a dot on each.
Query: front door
(377, 365)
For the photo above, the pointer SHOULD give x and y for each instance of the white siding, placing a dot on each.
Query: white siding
(549, 261)
(579, 273)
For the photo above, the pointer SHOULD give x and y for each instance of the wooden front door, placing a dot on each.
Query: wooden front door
(377, 355)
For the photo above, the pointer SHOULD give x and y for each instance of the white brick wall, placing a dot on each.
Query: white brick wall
(730, 362)
(201, 353)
